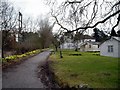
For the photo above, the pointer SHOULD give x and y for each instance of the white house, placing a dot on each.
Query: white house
(90, 46)
(67, 45)
(87, 43)
(111, 47)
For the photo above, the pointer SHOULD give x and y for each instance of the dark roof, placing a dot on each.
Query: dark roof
(94, 43)
(116, 38)
(87, 37)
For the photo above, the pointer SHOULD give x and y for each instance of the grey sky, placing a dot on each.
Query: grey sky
(33, 8)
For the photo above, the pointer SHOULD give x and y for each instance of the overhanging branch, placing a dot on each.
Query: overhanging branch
(87, 25)
(118, 21)
(59, 23)
(104, 20)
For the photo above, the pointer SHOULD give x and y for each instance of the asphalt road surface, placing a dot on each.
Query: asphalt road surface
(25, 74)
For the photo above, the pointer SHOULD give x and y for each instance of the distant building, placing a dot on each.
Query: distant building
(90, 46)
(68, 44)
(111, 47)
(86, 43)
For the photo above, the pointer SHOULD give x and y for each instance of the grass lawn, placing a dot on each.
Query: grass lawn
(88, 68)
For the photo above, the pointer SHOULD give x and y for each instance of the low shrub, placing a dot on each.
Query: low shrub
(75, 54)
(14, 57)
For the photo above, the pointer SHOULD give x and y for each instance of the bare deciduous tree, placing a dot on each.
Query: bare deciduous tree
(8, 16)
(80, 15)
(45, 33)
(8, 21)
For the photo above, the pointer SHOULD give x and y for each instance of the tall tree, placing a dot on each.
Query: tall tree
(8, 24)
(8, 16)
(45, 33)
(80, 15)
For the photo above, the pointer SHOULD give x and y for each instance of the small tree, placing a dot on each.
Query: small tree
(55, 42)
(45, 33)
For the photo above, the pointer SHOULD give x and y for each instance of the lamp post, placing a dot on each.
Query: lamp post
(20, 27)
(19, 31)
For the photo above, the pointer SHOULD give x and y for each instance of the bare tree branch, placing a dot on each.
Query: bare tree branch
(71, 2)
(118, 21)
(74, 15)
(60, 24)
(97, 22)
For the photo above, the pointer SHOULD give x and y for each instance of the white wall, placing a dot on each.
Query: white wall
(67, 46)
(104, 48)
(93, 47)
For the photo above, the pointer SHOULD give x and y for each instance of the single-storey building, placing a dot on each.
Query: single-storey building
(90, 46)
(111, 47)
(87, 43)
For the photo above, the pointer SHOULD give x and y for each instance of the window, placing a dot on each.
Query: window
(110, 48)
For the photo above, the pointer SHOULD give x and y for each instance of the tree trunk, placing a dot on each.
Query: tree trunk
(56, 48)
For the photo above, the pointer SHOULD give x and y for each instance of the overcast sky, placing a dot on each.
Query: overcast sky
(32, 8)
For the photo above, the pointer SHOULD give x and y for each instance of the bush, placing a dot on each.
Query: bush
(14, 57)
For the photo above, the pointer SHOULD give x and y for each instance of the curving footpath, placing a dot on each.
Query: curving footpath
(25, 74)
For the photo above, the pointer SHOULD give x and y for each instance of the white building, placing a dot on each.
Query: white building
(111, 47)
(90, 46)
(87, 43)
(67, 45)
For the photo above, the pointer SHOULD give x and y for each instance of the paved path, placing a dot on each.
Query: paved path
(25, 74)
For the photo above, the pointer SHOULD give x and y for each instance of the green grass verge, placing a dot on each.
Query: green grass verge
(88, 68)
